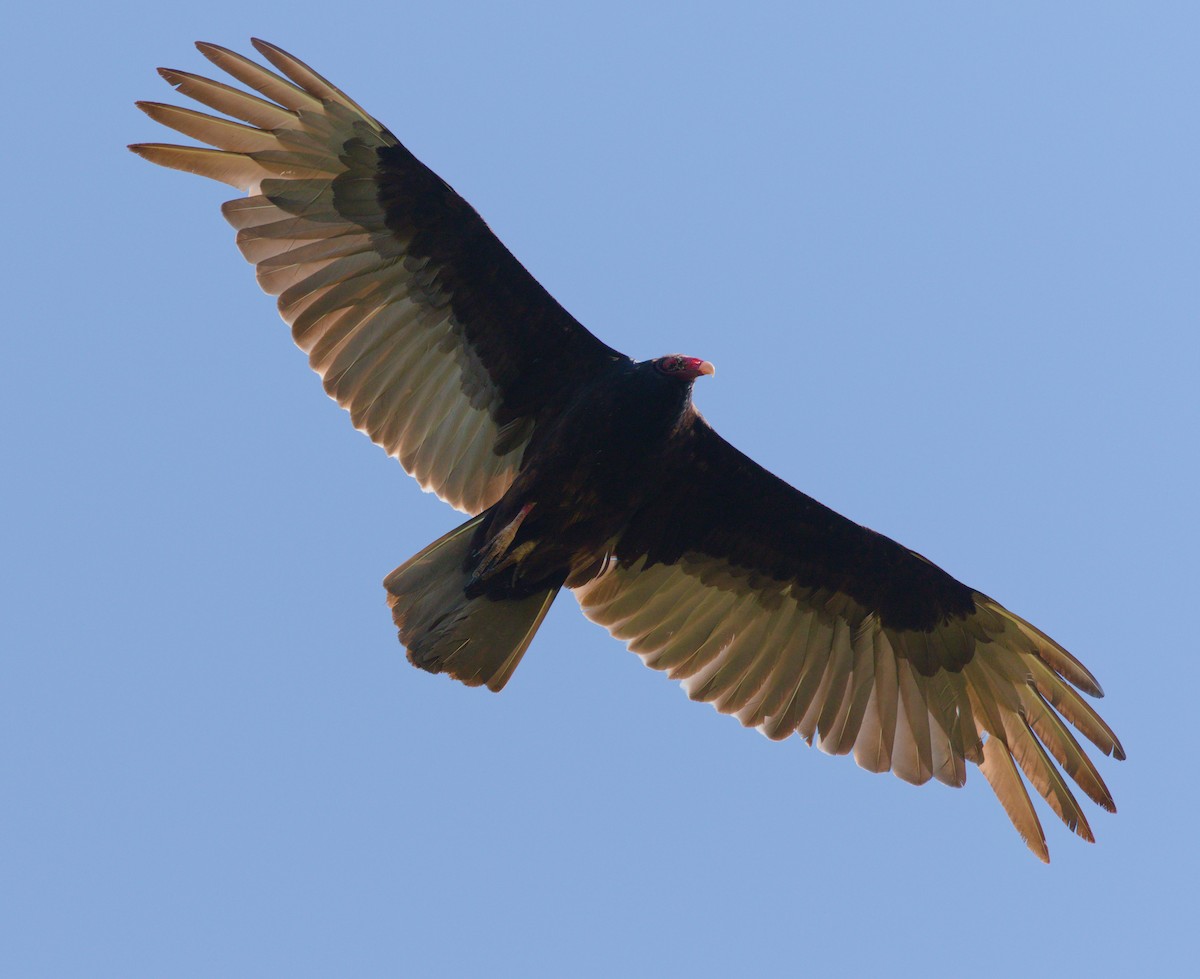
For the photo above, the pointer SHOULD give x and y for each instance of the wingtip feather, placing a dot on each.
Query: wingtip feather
(1001, 774)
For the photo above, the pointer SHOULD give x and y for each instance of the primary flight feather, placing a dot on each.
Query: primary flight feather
(583, 468)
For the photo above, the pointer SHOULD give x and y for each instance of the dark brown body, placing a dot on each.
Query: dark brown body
(583, 480)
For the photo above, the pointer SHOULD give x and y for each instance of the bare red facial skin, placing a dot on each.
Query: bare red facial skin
(688, 368)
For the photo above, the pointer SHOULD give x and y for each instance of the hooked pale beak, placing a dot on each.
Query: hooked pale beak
(694, 367)
(687, 368)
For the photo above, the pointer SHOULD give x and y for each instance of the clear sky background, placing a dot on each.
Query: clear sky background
(944, 257)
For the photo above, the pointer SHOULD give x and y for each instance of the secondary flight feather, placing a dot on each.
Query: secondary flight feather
(581, 468)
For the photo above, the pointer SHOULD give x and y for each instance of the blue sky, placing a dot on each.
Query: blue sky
(944, 257)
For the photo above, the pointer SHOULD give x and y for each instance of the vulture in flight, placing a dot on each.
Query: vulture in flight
(582, 468)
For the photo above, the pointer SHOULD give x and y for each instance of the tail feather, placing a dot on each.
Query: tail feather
(478, 640)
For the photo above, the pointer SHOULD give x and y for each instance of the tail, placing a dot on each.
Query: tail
(476, 640)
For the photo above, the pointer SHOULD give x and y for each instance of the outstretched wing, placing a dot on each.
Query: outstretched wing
(442, 346)
(780, 611)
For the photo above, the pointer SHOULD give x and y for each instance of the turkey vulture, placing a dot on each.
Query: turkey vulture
(604, 478)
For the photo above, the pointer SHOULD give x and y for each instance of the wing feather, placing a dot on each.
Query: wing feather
(749, 686)
(840, 670)
(1002, 776)
(844, 729)
(915, 760)
(783, 667)
(745, 665)
(231, 101)
(873, 749)
(813, 652)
